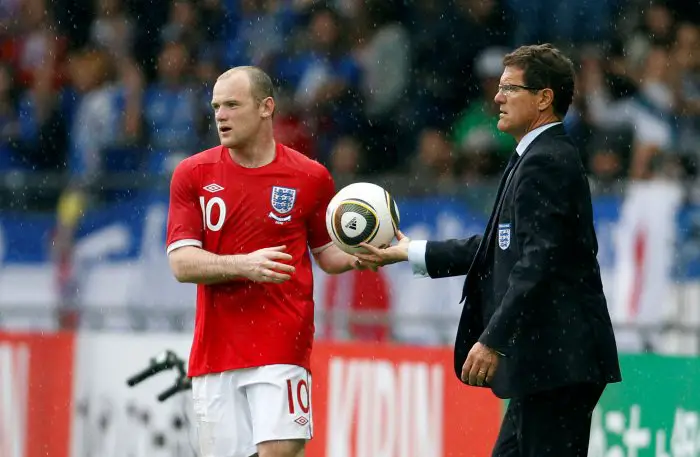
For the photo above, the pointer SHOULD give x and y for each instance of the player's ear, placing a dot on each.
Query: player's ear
(267, 107)
(546, 99)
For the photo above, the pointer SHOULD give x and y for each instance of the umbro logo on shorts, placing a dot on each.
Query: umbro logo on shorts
(301, 420)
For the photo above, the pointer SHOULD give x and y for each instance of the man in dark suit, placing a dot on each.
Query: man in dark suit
(535, 327)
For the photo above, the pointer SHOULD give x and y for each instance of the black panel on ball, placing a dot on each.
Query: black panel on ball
(392, 210)
(364, 210)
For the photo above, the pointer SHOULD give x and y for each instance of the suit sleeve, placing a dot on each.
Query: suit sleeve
(540, 208)
(450, 257)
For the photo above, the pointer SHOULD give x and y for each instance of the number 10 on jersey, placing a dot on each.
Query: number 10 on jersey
(207, 207)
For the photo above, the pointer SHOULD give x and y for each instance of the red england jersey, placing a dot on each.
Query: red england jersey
(225, 208)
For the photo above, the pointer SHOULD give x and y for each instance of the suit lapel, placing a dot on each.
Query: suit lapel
(486, 239)
(500, 195)
(497, 209)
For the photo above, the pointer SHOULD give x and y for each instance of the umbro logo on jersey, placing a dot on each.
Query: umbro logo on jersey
(213, 188)
(301, 420)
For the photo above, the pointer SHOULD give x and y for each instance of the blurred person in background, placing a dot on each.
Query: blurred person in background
(480, 144)
(686, 87)
(346, 161)
(37, 55)
(605, 161)
(183, 26)
(566, 23)
(171, 106)
(9, 119)
(37, 49)
(325, 80)
(656, 28)
(648, 112)
(290, 127)
(112, 29)
(104, 119)
(433, 162)
(383, 50)
(474, 25)
(261, 33)
(100, 120)
(242, 219)
(429, 95)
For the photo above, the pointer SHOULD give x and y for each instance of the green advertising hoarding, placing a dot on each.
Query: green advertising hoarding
(653, 412)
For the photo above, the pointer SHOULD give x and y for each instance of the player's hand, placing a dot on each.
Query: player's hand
(265, 265)
(480, 366)
(359, 264)
(387, 255)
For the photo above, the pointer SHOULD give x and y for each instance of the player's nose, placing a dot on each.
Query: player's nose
(499, 98)
(221, 114)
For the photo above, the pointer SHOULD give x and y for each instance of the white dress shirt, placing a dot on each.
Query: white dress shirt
(416, 248)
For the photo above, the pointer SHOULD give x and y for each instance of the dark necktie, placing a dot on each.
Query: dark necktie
(488, 233)
(511, 163)
(499, 197)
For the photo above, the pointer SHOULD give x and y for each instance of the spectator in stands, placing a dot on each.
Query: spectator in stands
(36, 54)
(207, 69)
(383, 51)
(434, 161)
(290, 128)
(260, 33)
(182, 25)
(686, 86)
(9, 12)
(655, 28)
(650, 113)
(324, 79)
(37, 51)
(605, 162)
(346, 160)
(171, 107)
(112, 29)
(483, 147)
(564, 22)
(99, 122)
(474, 25)
(9, 122)
(429, 96)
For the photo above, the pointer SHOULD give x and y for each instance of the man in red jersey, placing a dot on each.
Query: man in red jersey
(242, 218)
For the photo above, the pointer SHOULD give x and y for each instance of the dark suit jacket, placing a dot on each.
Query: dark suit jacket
(533, 290)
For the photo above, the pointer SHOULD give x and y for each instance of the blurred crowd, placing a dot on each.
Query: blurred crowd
(89, 87)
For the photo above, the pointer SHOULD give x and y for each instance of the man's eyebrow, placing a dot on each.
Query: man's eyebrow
(226, 100)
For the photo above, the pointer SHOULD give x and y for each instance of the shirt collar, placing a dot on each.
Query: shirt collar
(530, 136)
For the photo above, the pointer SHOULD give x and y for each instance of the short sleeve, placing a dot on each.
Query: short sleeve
(318, 234)
(184, 212)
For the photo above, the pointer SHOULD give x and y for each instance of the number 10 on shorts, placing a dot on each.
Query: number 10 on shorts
(298, 396)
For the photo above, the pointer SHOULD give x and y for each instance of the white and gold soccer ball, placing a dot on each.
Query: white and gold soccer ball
(362, 213)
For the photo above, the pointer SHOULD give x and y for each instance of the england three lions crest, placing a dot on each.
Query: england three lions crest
(282, 200)
(503, 236)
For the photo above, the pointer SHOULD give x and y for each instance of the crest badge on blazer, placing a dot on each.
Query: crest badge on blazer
(503, 236)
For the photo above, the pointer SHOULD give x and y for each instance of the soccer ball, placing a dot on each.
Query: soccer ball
(362, 212)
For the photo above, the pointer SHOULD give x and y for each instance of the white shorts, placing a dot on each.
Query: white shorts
(238, 409)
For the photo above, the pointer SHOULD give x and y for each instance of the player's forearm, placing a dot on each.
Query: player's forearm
(194, 265)
(334, 261)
